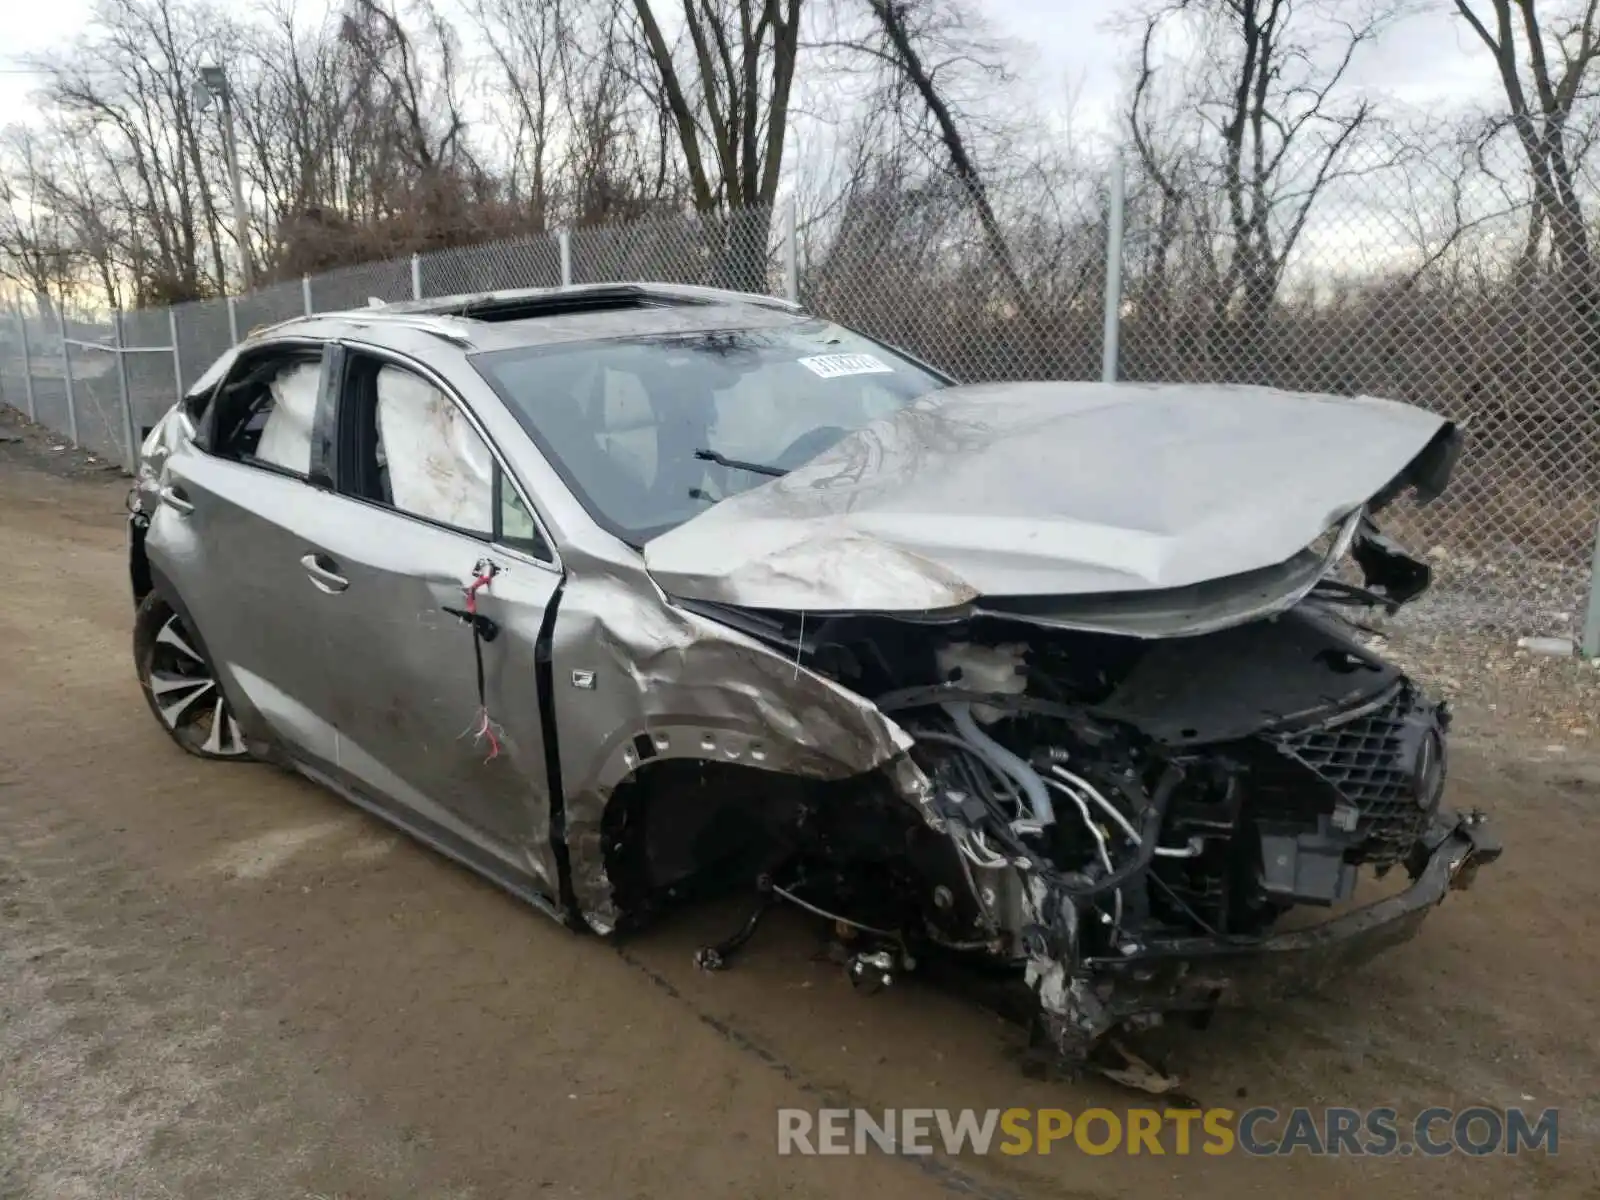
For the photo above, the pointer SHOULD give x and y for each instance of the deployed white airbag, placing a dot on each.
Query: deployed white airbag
(286, 436)
(439, 467)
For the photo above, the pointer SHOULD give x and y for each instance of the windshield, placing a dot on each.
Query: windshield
(649, 431)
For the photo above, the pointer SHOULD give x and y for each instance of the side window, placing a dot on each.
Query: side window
(199, 395)
(417, 452)
(436, 465)
(265, 409)
(200, 392)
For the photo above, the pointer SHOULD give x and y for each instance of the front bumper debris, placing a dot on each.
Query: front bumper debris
(1198, 973)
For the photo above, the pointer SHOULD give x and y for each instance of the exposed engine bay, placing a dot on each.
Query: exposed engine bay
(1123, 820)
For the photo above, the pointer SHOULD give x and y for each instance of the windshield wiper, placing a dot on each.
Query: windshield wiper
(737, 464)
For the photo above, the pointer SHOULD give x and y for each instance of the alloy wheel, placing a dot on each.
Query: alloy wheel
(187, 697)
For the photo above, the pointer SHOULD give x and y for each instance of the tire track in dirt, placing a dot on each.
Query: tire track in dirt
(128, 1065)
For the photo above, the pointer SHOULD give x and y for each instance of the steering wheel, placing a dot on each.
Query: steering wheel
(808, 445)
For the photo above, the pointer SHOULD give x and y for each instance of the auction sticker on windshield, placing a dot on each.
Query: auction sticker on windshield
(832, 366)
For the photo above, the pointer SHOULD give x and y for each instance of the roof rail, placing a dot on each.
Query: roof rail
(439, 325)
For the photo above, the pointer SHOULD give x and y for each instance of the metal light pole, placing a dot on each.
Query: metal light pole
(215, 84)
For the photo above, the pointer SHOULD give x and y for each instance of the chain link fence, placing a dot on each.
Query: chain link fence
(1430, 278)
(923, 272)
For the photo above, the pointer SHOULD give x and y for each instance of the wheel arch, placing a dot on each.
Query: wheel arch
(638, 680)
(156, 582)
(253, 725)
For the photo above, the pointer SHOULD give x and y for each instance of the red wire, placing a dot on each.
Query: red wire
(482, 581)
(487, 728)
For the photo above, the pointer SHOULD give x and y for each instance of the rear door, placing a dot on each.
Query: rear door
(237, 516)
(437, 709)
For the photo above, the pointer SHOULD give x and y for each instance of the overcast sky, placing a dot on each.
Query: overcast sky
(1425, 62)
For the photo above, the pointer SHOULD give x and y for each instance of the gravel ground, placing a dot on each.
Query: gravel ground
(1498, 687)
(25, 443)
(1510, 594)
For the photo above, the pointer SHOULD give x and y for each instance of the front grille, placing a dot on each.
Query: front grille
(1370, 760)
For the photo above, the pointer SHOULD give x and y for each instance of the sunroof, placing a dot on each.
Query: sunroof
(521, 308)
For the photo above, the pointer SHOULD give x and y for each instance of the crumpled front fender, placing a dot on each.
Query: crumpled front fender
(636, 679)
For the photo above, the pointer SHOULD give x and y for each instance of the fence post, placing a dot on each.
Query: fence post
(130, 444)
(305, 293)
(27, 363)
(416, 277)
(1591, 616)
(791, 269)
(177, 356)
(564, 237)
(233, 322)
(66, 376)
(1110, 347)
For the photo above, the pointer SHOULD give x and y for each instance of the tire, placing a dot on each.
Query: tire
(180, 685)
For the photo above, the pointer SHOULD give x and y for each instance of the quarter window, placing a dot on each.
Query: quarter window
(517, 526)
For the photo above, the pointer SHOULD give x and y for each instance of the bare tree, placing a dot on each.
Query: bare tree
(429, 126)
(732, 114)
(620, 161)
(36, 248)
(921, 41)
(529, 44)
(98, 225)
(726, 86)
(127, 84)
(1521, 41)
(1168, 167)
(300, 146)
(1264, 126)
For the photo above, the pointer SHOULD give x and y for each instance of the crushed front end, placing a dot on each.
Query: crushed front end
(1147, 749)
(1125, 822)
(1194, 794)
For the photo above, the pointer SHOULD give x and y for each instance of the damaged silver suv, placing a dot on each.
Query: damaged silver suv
(621, 594)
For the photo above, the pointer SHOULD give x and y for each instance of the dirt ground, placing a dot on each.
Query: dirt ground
(219, 981)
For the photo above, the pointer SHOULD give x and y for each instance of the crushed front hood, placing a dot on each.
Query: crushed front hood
(1053, 489)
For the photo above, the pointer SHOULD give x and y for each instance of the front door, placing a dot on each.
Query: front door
(438, 713)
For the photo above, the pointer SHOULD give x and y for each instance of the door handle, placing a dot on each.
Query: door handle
(323, 576)
(174, 499)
